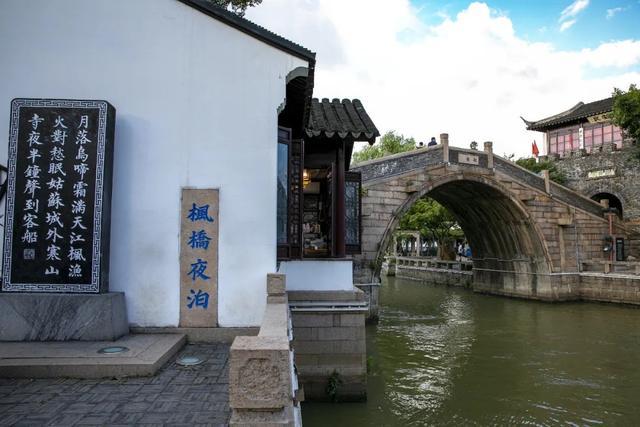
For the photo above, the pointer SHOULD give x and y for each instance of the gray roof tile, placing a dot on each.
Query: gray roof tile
(577, 113)
(346, 119)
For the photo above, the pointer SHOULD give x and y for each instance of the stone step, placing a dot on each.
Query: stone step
(146, 354)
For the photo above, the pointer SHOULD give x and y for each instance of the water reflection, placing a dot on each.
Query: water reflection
(447, 356)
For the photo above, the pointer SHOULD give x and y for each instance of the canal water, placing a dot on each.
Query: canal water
(447, 356)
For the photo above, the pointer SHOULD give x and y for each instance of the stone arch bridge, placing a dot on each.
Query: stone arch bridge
(530, 237)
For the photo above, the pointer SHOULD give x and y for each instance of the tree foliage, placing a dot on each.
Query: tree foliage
(238, 7)
(389, 143)
(531, 164)
(626, 111)
(434, 222)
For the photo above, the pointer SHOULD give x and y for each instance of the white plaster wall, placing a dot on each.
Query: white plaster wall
(196, 106)
(318, 275)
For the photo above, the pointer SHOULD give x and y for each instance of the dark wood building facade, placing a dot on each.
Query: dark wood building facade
(319, 213)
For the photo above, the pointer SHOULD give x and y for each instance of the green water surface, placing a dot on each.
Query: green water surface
(446, 356)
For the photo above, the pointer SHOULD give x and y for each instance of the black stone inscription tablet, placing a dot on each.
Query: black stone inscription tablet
(58, 206)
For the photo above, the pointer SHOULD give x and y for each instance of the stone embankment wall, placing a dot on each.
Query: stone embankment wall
(610, 288)
(608, 171)
(330, 344)
(620, 283)
(452, 273)
(372, 297)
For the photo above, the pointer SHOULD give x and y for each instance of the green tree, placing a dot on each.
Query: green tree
(389, 143)
(626, 112)
(238, 7)
(531, 164)
(435, 222)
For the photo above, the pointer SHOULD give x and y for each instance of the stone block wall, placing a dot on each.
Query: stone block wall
(329, 341)
(624, 184)
(610, 288)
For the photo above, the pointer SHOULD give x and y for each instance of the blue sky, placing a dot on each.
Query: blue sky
(538, 20)
(467, 68)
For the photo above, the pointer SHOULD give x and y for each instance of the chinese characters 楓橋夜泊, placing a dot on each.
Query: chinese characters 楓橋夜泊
(199, 240)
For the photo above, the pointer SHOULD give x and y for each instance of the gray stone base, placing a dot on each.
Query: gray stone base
(62, 317)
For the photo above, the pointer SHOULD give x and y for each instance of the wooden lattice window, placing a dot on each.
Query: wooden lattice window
(353, 212)
(290, 165)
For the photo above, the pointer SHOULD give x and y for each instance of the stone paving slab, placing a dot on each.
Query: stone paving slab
(80, 359)
(176, 395)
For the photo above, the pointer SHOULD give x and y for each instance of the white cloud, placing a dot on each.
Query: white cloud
(620, 54)
(568, 17)
(567, 24)
(573, 9)
(470, 76)
(613, 12)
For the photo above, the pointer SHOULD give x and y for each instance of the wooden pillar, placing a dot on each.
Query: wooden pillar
(339, 212)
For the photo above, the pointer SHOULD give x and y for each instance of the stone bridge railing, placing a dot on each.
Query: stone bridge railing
(433, 270)
(405, 163)
(263, 386)
(433, 263)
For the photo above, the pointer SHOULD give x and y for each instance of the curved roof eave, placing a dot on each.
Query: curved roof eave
(252, 29)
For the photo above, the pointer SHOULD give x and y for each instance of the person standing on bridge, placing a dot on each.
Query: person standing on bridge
(432, 142)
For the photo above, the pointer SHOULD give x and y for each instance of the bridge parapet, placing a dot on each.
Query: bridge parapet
(557, 191)
(473, 158)
(399, 164)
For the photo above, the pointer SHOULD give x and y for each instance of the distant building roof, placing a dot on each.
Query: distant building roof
(346, 118)
(575, 114)
(251, 29)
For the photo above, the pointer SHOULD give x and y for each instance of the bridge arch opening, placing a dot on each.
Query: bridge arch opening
(508, 253)
(613, 200)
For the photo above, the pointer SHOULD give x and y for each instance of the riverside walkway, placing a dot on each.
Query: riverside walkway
(176, 395)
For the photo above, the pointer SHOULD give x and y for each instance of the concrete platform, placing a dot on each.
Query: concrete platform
(80, 359)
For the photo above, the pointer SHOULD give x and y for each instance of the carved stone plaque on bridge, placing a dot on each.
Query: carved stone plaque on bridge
(199, 257)
(59, 196)
(469, 159)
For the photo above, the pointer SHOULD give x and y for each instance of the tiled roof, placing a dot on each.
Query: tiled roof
(346, 118)
(251, 29)
(576, 113)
